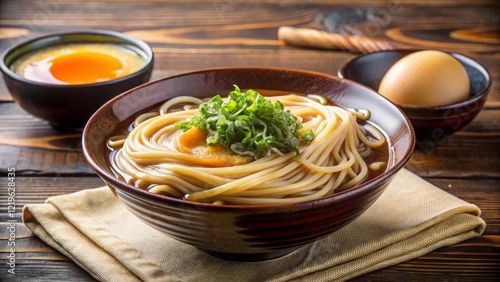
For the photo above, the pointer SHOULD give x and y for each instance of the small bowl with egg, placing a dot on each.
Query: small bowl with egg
(440, 92)
(64, 78)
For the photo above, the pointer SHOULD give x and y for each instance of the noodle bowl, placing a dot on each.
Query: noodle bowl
(242, 231)
(346, 150)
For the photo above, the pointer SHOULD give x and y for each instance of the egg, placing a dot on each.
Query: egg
(426, 78)
(79, 63)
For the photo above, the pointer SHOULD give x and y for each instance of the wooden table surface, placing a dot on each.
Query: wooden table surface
(194, 34)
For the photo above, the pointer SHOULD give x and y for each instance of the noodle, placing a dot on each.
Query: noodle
(149, 159)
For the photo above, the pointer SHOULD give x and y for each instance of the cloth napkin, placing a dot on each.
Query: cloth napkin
(410, 219)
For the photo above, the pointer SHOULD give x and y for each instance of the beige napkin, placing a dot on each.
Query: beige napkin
(410, 219)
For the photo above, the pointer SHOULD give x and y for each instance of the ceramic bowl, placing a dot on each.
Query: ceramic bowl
(237, 232)
(70, 106)
(432, 125)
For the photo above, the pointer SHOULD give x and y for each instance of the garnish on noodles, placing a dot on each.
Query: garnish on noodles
(248, 124)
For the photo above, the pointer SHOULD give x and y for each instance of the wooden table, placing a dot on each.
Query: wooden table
(195, 34)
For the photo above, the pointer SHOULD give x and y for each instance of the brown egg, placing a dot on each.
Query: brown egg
(426, 78)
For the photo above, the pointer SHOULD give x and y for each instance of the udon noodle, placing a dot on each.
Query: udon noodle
(333, 161)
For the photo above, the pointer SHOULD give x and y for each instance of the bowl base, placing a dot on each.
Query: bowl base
(250, 257)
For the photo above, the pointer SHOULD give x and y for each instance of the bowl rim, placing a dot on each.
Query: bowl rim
(471, 100)
(349, 193)
(136, 42)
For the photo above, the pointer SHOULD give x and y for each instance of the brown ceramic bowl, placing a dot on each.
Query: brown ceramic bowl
(70, 106)
(432, 125)
(247, 233)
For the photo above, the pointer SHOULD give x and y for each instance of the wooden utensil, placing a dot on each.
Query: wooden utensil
(308, 37)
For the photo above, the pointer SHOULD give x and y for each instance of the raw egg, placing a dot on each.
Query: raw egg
(426, 78)
(79, 63)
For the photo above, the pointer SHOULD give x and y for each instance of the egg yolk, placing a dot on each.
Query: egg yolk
(78, 63)
(85, 67)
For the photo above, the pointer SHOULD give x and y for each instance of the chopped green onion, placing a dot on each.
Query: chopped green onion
(248, 124)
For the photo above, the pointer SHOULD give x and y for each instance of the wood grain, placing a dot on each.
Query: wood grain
(187, 35)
